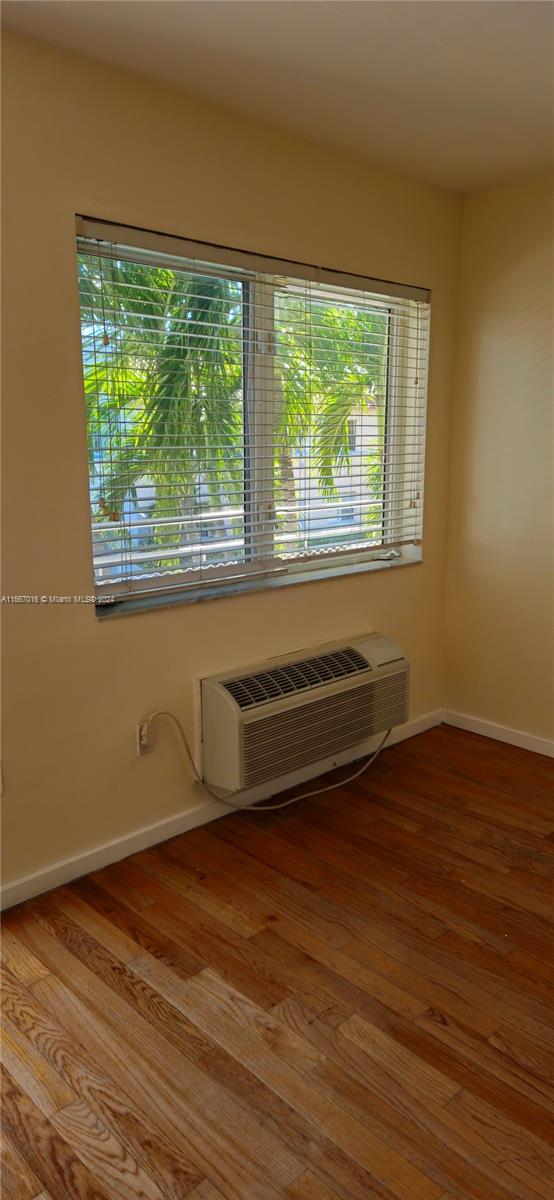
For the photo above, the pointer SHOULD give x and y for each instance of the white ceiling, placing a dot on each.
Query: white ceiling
(455, 92)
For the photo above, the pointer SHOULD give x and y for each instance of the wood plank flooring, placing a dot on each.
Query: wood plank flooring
(351, 998)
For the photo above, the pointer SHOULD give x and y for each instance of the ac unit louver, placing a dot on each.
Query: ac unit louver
(291, 717)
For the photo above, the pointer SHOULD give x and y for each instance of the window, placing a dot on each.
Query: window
(351, 429)
(248, 420)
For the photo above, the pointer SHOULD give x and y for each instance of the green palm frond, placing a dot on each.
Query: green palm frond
(163, 368)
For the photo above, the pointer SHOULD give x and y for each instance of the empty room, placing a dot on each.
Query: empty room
(276, 771)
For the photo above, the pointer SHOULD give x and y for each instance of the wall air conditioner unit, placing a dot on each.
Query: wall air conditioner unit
(278, 723)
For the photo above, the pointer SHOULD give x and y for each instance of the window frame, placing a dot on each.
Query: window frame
(261, 568)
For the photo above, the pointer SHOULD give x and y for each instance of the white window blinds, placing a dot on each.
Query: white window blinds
(247, 419)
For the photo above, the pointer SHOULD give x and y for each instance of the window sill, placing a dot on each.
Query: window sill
(140, 604)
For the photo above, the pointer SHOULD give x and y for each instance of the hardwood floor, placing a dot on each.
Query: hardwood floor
(351, 998)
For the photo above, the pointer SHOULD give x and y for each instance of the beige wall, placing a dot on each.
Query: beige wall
(499, 646)
(82, 138)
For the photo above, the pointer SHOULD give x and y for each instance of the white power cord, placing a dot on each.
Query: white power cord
(144, 729)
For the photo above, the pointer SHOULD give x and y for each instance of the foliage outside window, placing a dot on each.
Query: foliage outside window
(243, 425)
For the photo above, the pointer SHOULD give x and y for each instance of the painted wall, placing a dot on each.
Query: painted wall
(499, 643)
(79, 137)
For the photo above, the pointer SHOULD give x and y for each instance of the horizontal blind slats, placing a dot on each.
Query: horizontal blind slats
(240, 423)
(166, 250)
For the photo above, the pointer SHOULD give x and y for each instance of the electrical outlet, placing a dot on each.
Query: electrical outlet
(143, 744)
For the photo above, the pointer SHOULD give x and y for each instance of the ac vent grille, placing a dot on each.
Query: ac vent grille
(274, 744)
(250, 691)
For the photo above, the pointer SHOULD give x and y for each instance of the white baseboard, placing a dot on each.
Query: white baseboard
(416, 725)
(501, 733)
(38, 882)
(62, 872)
